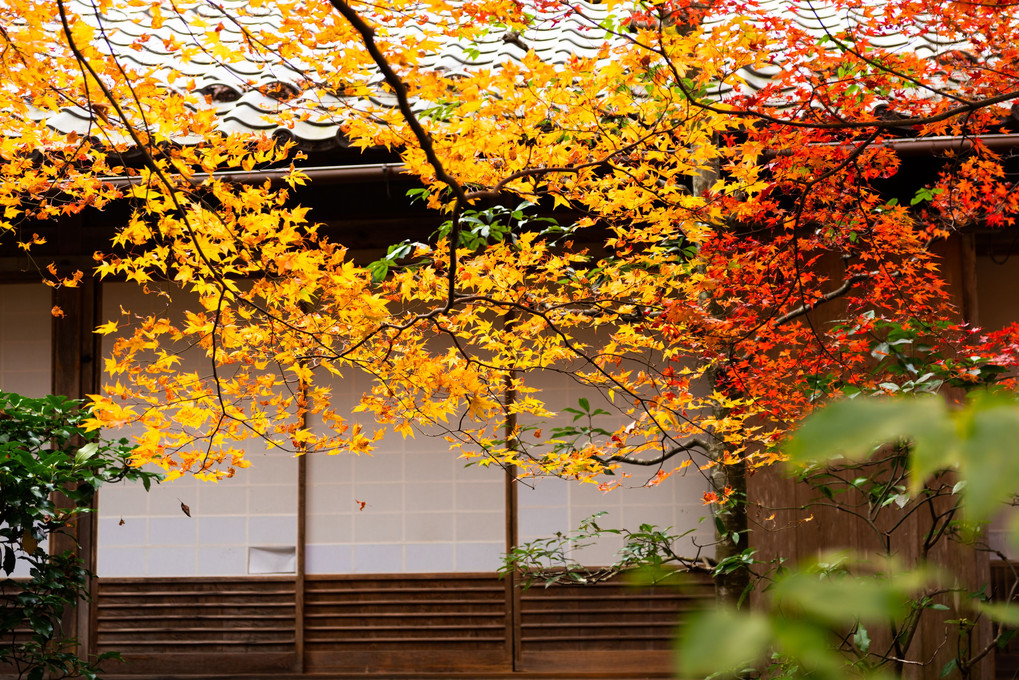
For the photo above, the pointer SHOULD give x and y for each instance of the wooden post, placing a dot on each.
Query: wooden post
(302, 536)
(513, 616)
(75, 373)
(968, 279)
(975, 567)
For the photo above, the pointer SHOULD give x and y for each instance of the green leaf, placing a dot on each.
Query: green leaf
(840, 599)
(1002, 612)
(85, 452)
(854, 428)
(988, 462)
(861, 639)
(721, 639)
(810, 646)
(9, 560)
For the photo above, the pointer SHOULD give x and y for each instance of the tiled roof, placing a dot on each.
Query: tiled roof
(872, 21)
(253, 94)
(258, 94)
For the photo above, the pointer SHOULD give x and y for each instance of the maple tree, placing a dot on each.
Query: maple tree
(739, 254)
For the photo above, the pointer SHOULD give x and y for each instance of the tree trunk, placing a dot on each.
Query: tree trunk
(731, 524)
(731, 529)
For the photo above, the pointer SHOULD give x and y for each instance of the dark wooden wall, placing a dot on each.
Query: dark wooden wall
(792, 520)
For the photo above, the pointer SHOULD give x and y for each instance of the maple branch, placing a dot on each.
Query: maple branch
(120, 68)
(147, 157)
(496, 190)
(801, 205)
(423, 138)
(881, 67)
(806, 308)
(847, 285)
(164, 180)
(215, 378)
(657, 460)
(569, 344)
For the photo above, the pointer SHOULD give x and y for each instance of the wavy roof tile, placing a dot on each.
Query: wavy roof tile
(250, 93)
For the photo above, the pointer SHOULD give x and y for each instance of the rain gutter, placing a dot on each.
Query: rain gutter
(929, 146)
(329, 174)
(925, 146)
(373, 172)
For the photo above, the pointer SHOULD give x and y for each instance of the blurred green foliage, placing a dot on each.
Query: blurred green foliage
(815, 620)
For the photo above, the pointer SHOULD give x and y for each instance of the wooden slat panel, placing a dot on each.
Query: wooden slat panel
(588, 627)
(193, 625)
(410, 623)
(428, 624)
(9, 589)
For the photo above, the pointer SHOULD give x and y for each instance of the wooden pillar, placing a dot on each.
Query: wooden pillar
(968, 279)
(75, 373)
(513, 615)
(302, 537)
(974, 566)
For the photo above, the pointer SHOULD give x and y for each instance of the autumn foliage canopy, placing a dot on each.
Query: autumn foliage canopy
(736, 236)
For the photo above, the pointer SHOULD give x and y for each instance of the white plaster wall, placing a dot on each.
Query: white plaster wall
(25, 339)
(147, 534)
(549, 504)
(25, 343)
(424, 511)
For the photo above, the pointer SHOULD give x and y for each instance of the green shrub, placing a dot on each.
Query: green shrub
(50, 469)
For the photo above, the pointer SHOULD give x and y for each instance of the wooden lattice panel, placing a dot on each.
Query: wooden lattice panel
(191, 625)
(608, 626)
(9, 589)
(406, 622)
